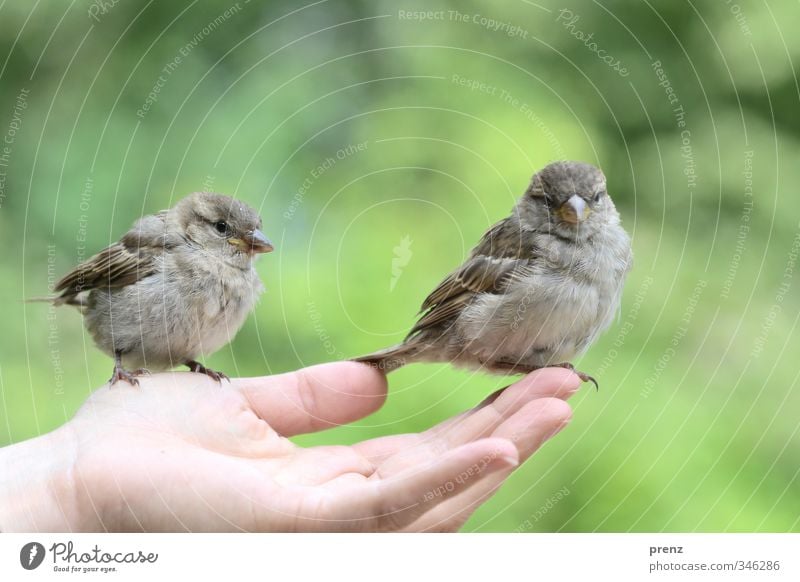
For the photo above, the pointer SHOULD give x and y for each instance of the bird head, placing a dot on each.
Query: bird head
(224, 228)
(567, 198)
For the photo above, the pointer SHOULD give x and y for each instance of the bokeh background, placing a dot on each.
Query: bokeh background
(379, 144)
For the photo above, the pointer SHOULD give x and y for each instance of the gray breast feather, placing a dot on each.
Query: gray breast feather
(552, 312)
(159, 323)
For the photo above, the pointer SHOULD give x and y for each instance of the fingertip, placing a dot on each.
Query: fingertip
(347, 374)
(363, 371)
(316, 397)
(554, 382)
(552, 410)
(497, 451)
(552, 415)
(371, 381)
(351, 384)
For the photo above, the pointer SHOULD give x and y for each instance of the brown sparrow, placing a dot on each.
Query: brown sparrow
(176, 287)
(538, 288)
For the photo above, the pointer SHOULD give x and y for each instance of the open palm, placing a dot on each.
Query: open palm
(181, 452)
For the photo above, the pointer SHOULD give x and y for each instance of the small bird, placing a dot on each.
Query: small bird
(176, 286)
(538, 288)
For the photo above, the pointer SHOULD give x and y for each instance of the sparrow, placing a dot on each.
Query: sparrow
(538, 288)
(176, 286)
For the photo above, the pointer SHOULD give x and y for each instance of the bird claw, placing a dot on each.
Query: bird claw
(121, 374)
(199, 368)
(588, 378)
(578, 373)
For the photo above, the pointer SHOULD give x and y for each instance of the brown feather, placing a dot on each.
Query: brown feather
(121, 264)
(492, 264)
(116, 266)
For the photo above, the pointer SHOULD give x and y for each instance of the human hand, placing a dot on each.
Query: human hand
(182, 453)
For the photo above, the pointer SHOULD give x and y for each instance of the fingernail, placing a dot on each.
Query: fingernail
(509, 460)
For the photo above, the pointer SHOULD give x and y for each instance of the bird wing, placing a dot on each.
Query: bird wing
(123, 263)
(499, 257)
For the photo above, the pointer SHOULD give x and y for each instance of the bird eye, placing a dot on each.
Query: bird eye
(598, 196)
(222, 228)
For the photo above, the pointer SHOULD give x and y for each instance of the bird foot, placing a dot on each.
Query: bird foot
(121, 374)
(578, 373)
(507, 367)
(199, 368)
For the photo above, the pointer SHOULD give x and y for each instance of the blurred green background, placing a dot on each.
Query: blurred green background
(378, 145)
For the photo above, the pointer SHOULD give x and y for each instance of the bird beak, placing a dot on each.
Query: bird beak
(574, 210)
(253, 242)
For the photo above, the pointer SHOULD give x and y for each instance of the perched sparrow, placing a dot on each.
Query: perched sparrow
(537, 290)
(178, 285)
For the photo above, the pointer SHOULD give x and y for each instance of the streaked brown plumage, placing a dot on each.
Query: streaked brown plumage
(537, 289)
(178, 285)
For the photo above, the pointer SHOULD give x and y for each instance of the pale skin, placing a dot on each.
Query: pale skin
(183, 453)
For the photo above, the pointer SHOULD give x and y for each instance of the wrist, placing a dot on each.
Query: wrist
(37, 489)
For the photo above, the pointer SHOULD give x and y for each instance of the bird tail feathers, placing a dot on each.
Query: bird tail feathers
(52, 299)
(58, 300)
(391, 358)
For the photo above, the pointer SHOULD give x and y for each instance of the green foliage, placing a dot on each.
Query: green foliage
(695, 425)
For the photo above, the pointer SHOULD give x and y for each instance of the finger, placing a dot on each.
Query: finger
(543, 383)
(391, 504)
(534, 424)
(481, 420)
(529, 428)
(315, 398)
(477, 422)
